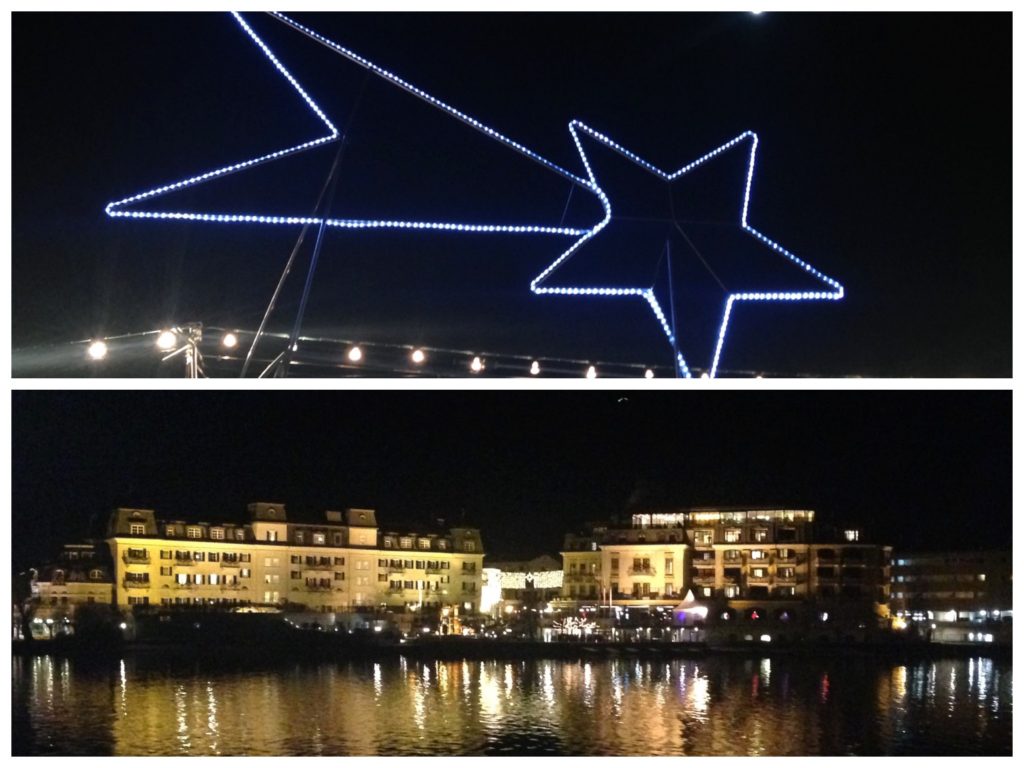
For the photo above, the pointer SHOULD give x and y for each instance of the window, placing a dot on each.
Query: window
(442, 544)
(362, 565)
(851, 534)
(339, 561)
(169, 531)
(296, 559)
(245, 573)
(194, 533)
(214, 578)
(424, 543)
(405, 542)
(137, 529)
(337, 539)
(245, 557)
(469, 546)
(593, 546)
(199, 556)
(213, 557)
(615, 563)
(670, 564)
(182, 578)
(270, 562)
(786, 573)
(760, 534)
(339, 576)
(732, 591)
(703, 538)
(759, 573)
(981, 577)
(732, 535)
(166, 554)
(389, 542)
(786, 554)
(615, 587)
(362, 581)
(785, 591)
(300, 537)
(785, 534)
(271, 535)
(758, 554)
(668, 590)
(319, 539)
(239, 534)
(296, 575)
(271, 597)
(705, 591)
(271, 578)
(166, 570)
(732, 555)
(217, 533)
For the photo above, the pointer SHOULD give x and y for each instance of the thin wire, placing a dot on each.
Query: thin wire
(675, 221)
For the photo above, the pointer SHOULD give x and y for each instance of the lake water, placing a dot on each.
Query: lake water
(719, 705)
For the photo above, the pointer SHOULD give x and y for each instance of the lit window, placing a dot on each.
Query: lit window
(703, 538)
(194, 533)
(169, 530)
(239, 534)
(245, 573)
(732, 535)
(981, 577)
(760, 535)
(758, 554)
(469, 546)
(442, 544)
(137, 529)
(217, 533)
(214, 578)
(320, 539)
(852, 534)
(300, 537)
(405, 542)
(271, 578)
(271, 535)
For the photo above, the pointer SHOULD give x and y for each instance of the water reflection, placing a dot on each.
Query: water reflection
(770, 706)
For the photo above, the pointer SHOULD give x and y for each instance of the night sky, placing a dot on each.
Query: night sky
(884, 160)
(917, 469)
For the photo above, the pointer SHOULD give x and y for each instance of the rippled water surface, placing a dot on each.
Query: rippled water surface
(722, 705)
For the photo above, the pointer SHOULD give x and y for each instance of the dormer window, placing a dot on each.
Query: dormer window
(194, 532)
(424, 543)
(405, 542)
(137, 529)
(217, 533)
(169, 531)
(300, 537)
(320, 539)
(469, 546)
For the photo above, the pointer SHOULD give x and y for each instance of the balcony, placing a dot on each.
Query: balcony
(704, 579)
(230, 587)
(130, 584)
(643, 571)
(783, 579)
(316, 587)
(396, 569)
(434, 569)
(137, 556)
(230, 564)
(752, 579)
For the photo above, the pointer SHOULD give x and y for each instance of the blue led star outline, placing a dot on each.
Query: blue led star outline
(647, 293)
(590, 184)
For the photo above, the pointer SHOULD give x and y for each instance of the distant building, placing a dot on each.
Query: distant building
(538, 579)
(340, 562)
(957, 585)
(748, 567)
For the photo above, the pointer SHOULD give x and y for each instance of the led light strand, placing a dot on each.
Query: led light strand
(538, 284)
(115, 209)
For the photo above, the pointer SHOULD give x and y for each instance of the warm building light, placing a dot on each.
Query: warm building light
(418, 356)
(230, 340)
(166, 340)
(355, 354)
(98, 350)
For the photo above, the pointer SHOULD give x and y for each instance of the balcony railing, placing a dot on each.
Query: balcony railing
(758, 579)
(704, 579)
(784, 579)
(136, 557)
(127, 584)
(230, 587)
(318, 587)
(643, 571)
(230, 564)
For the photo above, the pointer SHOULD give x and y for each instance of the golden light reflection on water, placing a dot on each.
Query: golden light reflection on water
(770, 706)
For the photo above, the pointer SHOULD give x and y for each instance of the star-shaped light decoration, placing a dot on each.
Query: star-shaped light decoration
(542, 284)
(128, 207)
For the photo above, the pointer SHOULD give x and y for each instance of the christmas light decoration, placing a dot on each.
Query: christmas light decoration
(540, 284)
(540, 579)
(575, 626)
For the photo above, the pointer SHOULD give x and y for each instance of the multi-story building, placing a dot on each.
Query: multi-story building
(341, 562)
(956, 586)
(529, 581)
(732, 554)
(81, 575)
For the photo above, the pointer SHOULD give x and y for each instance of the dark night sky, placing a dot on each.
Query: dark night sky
(918, 469)
(884, 160)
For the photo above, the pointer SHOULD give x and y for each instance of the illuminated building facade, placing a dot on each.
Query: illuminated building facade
(953, 586)
(732, 554)
(341, 562)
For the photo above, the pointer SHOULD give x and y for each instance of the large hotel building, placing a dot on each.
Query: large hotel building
(341, 562)
(723, 554)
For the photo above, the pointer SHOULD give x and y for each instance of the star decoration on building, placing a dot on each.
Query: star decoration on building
(542, 284)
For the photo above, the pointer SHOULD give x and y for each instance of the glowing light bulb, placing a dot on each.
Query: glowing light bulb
(230, 340)
(355, 354)
(648, 374)
(477, 365)
(534, 368)
(166, 340)
(98, 350)
(418, 356)
(591, 372)
(705, 376)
